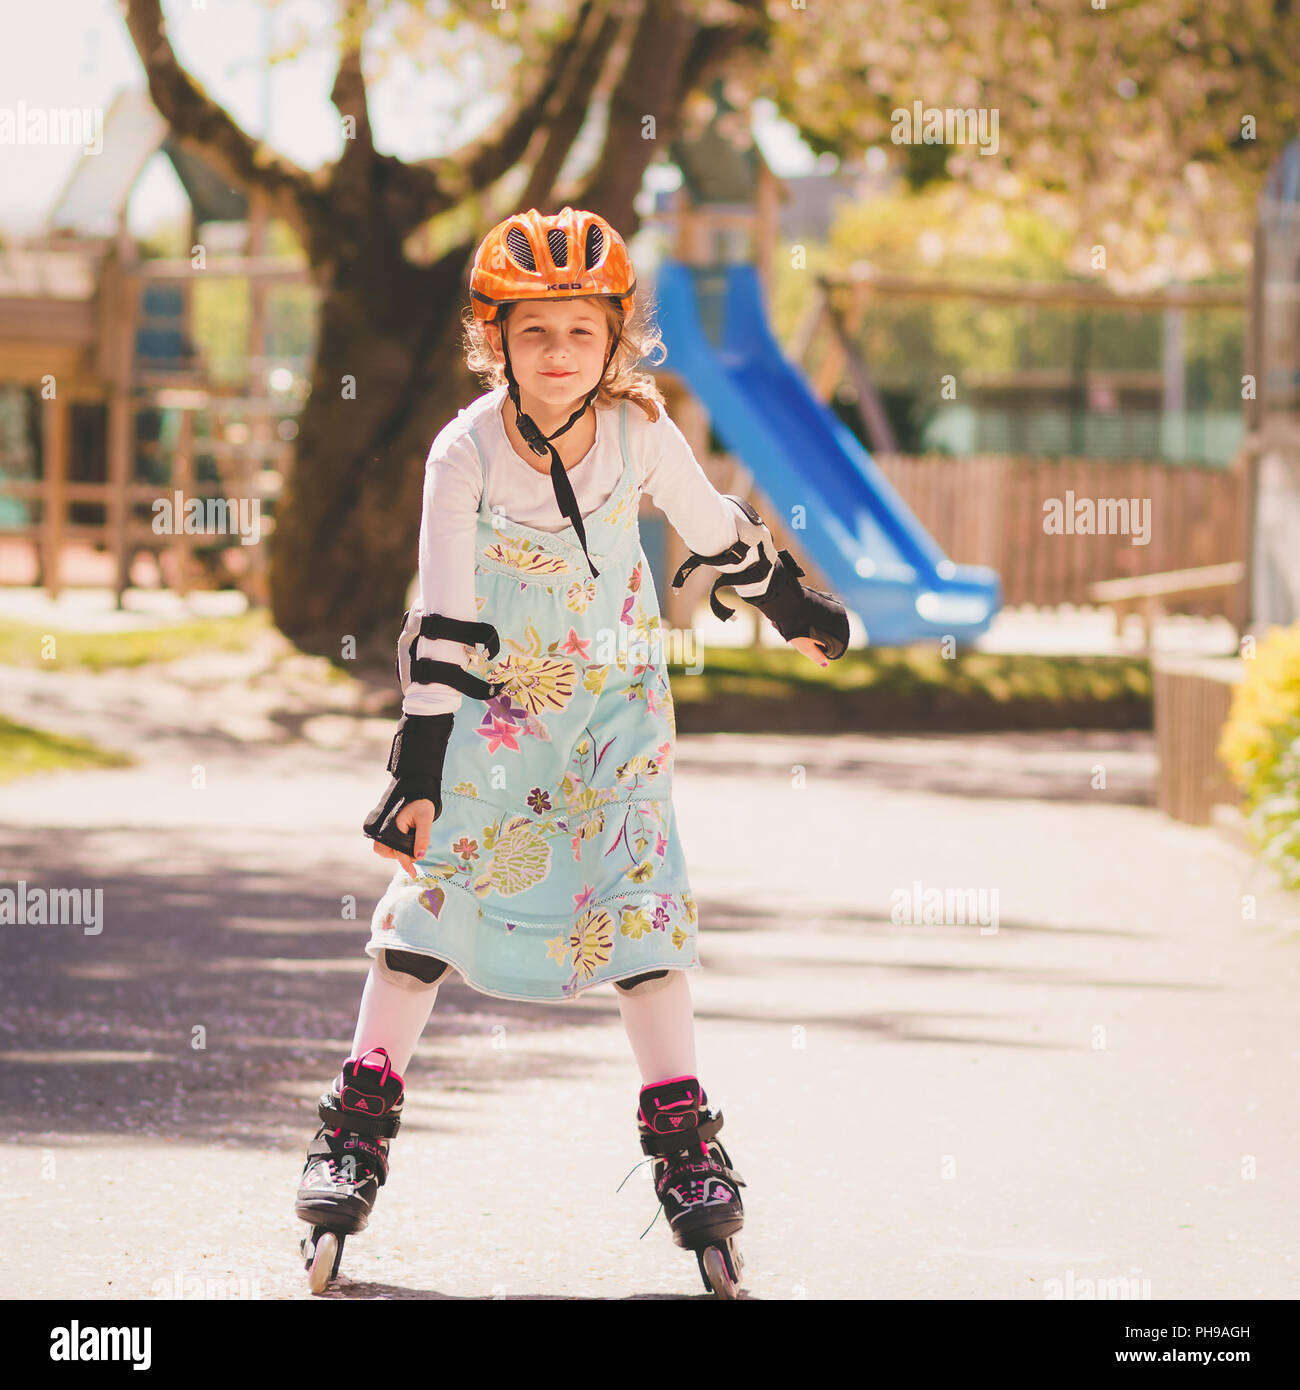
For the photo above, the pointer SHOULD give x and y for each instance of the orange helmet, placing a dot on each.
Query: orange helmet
(571, 254)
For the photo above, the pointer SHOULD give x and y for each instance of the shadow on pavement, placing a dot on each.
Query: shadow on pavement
(1029, 766)
(222, 994)
(350, 1291)
(98, 1033)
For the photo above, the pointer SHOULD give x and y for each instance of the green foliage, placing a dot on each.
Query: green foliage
(23, 644)
(25, 751)
(1260, 747)
(917, 687)
(1125, 124)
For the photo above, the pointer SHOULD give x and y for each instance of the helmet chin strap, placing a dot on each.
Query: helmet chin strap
(541, 444)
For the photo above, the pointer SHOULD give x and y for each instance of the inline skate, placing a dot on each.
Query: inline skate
(347, 1161)
(693, 1178)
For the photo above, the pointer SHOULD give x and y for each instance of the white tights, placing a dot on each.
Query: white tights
(658, 1017)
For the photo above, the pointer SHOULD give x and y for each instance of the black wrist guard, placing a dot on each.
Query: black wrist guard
(792, 609)
(415, 761)
(796, 611)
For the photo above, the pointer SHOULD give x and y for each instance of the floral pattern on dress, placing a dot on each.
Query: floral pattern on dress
(625, 510)
(520, 857)
(538, 683)
(579, 594)
(528, 557)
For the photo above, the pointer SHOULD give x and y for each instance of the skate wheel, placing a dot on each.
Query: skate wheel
(322, 1250)
(720, 1268)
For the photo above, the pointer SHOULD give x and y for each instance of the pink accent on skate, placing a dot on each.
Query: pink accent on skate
(384, 1067)
(692, 1099)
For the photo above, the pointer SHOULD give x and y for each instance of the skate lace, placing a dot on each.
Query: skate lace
(348, 1166)
(706, 1160)
(658, 1209)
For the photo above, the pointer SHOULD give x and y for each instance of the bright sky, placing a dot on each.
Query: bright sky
(77, 53)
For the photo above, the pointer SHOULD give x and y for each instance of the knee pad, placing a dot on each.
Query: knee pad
(403, 965)
(644, 984)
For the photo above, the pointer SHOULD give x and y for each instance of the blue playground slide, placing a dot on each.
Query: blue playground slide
(875, 556)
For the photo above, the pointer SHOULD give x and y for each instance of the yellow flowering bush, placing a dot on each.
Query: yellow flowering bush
(1260, 746)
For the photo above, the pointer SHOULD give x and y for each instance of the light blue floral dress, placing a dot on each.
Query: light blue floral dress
(556, 863)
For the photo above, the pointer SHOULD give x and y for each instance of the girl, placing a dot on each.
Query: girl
(535, 830)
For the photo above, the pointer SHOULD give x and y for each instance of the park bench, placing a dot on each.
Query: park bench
(1152, 595)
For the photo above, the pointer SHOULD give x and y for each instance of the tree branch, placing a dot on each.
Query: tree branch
(349, 91)
(434, 185)
(568, 108)
(351, 180)
(204, 127)
(713, 45)
(668, 56)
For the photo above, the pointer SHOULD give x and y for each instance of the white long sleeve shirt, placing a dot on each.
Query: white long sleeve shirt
(663, 464)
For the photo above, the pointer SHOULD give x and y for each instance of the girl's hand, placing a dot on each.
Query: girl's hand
(417, 816)
(810, 649)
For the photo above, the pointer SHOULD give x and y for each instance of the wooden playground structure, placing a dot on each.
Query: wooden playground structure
(98, 353)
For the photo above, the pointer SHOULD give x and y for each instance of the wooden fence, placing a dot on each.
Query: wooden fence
(990, 510)
(139, 415)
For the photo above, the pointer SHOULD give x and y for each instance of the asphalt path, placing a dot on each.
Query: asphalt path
(1088, 1087)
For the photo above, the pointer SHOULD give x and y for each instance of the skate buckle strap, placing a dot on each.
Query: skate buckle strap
(663, 1145)
(333, 1113)
(725, 1170)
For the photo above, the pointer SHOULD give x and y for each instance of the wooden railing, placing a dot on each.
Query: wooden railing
(990, 510)
(1192, 699)
(93, 490)
(240, 434)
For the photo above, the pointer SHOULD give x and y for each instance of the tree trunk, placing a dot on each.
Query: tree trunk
(344, 549)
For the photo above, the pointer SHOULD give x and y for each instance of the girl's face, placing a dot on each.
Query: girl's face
(557, 349)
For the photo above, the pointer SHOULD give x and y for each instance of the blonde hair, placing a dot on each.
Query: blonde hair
(621, 382)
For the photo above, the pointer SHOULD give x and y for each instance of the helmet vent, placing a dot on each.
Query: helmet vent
(559, 244)
(521, 252)
(595, 248)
